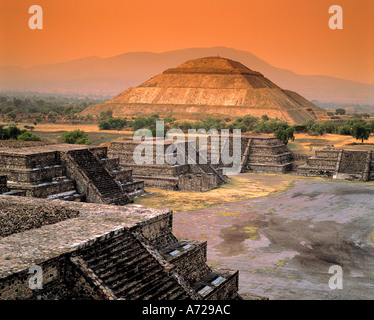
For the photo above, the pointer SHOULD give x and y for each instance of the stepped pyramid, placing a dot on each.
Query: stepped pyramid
(211, 86)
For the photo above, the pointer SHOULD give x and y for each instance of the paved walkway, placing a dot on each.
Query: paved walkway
(284, 244)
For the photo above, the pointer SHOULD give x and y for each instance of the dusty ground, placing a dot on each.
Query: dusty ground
(283, 244)
(240, 187)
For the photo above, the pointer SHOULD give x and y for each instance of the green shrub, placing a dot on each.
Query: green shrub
(28, 136)
(345, 130)
(75, 137)
(112, 124)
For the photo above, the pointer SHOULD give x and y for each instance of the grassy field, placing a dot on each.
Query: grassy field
(51, 132)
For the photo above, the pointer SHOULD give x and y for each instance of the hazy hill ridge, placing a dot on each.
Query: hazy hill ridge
(110, 76)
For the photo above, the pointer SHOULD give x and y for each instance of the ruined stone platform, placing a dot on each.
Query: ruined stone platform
(55, 171)
(186, 176)
(259, 153)
(22, 250)
(339, 164)
(98, 251)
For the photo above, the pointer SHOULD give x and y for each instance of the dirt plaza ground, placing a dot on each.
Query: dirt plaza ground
(284, 243)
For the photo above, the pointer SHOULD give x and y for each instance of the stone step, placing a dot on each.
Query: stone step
(88, 254)
(175, 293)
(72, 195)
(120, 242)
(110, 191)
(109, 260)
(130, 271)
(159, 288)
(118, 201)
(135, 280)
(116, 264)
(212, 283)
(147, 287)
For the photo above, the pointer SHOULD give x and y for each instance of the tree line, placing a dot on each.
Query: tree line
(358, 128)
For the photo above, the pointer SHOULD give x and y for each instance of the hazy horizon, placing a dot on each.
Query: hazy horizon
(168, 51)
(288, 34)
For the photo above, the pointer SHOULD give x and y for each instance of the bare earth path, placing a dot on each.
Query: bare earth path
(284, 244)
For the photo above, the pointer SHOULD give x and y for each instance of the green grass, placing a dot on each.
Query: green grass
(280, 263)
(96, 138)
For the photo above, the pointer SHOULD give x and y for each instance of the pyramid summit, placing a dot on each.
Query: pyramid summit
(211, 86)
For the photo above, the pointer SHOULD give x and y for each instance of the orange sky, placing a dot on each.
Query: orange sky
(291, 34)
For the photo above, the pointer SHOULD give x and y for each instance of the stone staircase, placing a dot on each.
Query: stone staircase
(325, 163)
(111, 192)
(355, 165)
(127, 268)
(205, 167)
(270, 157)
(189, 259)
(245, 155)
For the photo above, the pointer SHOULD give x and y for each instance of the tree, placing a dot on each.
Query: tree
(318, 129)
(340, 112)
(14, 132)
(285, 134)
(31, 128)
(139, 123)
(309, 124)
(75, 137)
(112, 124)
(345, 130)
(330, 127)
(371, 124)
(12, 115)
(170, 119)
(361, 131)
(104, 115)
(184, 126)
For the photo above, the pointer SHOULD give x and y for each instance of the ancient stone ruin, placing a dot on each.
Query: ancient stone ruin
(211, 86)
(355, 165)
(67, 172)
(186, 176)
(97, 251)
(259, 153)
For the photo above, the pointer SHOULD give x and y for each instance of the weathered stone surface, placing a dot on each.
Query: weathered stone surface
(107, 252)
(188, 177)
(67, 172)
(355, 165)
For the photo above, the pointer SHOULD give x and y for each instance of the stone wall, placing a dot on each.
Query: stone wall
(353, 161)
(16, 286)
(34, 175)
(339, 164)
(15, 218)
(188, 177)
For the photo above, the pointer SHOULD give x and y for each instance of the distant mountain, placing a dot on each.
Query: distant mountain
(110, 76)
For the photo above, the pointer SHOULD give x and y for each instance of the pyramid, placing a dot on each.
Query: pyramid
(211, 86)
